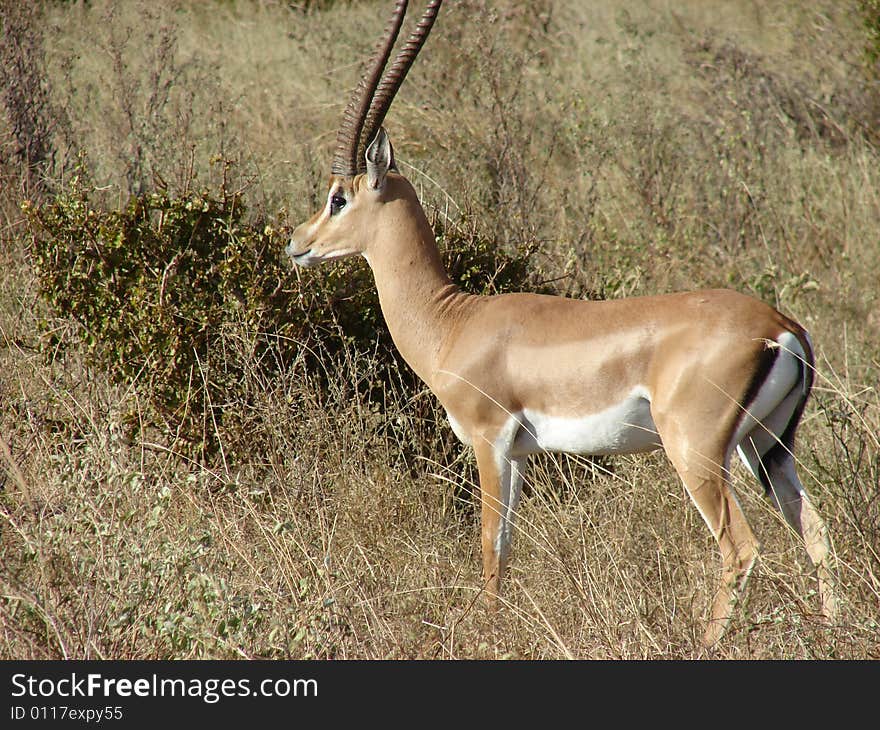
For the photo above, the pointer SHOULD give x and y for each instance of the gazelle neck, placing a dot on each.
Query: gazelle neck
(418, 299)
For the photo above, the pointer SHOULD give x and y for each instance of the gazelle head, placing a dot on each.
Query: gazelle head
(363, 166)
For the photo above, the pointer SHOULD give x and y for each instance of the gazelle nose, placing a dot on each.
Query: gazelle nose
(290, 249)
(298, 245)
(300, 249)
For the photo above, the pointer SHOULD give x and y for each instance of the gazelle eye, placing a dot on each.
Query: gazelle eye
(337, 203)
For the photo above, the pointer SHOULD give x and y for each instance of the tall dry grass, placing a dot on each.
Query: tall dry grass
(637, 148)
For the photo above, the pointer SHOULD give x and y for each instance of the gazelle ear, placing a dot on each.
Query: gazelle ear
(380, 159)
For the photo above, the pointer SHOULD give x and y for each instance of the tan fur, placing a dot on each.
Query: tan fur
(487, 358)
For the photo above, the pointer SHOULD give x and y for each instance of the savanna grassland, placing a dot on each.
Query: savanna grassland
(287, 489)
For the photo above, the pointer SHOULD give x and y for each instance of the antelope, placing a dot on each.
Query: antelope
(700, 374)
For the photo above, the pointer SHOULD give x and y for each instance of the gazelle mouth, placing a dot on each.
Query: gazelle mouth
(303, 259)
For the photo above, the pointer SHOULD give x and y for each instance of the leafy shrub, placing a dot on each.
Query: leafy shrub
(167, 290)
(870, 10)
(154, 285)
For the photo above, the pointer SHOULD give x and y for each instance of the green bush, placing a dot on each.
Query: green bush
(870, 10)
(153, 287)
(187, 299)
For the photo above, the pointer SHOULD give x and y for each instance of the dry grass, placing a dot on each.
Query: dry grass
(642, 148)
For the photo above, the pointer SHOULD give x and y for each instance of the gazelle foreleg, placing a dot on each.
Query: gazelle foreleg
(501, 480)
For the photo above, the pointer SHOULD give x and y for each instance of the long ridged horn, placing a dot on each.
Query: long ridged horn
(394, 77)
(345, 162)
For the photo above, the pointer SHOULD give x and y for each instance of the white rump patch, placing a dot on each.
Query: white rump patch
(767, 416)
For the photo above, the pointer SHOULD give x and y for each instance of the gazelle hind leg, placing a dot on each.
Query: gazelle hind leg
(774, 466)
(705, 479)
(738, 545)
(799, 511)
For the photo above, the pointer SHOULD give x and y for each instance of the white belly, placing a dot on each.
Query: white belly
(624, 428)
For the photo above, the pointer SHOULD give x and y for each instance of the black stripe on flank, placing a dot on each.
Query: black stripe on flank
(766, 361)
(781, 449)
